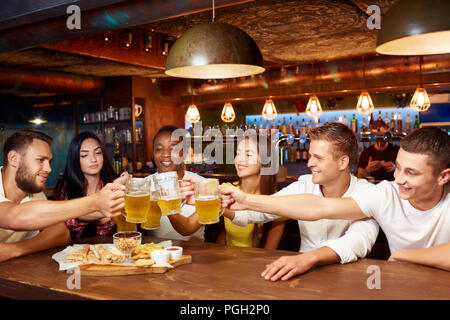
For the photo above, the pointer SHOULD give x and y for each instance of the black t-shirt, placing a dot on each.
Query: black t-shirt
(389, 154)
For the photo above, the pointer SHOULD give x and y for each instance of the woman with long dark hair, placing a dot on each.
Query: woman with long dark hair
(87, 170)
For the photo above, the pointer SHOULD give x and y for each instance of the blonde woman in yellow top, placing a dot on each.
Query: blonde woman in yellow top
(249, 168)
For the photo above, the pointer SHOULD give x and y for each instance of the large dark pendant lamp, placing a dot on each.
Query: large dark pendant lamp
(415, 27)
(214, 50)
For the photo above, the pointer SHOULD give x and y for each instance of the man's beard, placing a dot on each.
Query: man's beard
(25, 180)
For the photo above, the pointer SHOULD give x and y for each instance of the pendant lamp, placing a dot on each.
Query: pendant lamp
(228, 114)
(214, 50)
(192, 114)
(420, 101)
(269, 111)
(365, 104)
(313, 108)
(415, 27)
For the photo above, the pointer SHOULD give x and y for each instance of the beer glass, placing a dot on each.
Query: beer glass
(169, 193)
(137, 200)
(207, 201)
(154, 212)
(122, 224)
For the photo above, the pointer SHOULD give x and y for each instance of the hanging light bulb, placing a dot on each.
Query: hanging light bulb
(313, 108)
(228, 114)
(365, 104)
(420, 101)
(269, 111)
(192, 114)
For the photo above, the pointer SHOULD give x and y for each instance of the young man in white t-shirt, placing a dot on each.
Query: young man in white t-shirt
(24, 210)
(332, 150)
(413, 211)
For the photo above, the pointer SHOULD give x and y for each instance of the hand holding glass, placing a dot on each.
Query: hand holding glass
(169, 193)
(207, 201)
(137, 200)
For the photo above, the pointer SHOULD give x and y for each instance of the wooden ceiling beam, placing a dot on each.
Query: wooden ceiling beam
(114, 49)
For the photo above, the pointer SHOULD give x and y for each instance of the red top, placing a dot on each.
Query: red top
(80, 228)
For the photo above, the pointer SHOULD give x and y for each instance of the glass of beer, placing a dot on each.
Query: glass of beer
(169, 193)
(207, 201)
(122, 224)
(154, 212)
(137, 200)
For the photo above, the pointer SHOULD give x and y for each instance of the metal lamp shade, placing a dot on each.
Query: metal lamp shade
(214, 51)
(415, 27)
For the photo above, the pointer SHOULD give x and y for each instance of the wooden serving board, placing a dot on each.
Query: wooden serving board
(102, 270)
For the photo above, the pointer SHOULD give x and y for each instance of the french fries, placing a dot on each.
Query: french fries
(144, 251)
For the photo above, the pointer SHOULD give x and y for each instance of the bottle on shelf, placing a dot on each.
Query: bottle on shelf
(399, 123)
(291, 126)
(284, 127)
(416, 123)
(303, 127)
(310, 126)
(318, 124)
(298, 153)
(117, 160)
(408, 124)
(292, 152)
(326, 120)
(304, 152)
(392, 122)
(387, 121)
(363, 127)
(379, 115)
(344, 120)
(354, 124)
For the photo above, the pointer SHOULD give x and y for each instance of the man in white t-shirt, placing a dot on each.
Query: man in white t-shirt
(24, 210)
(413, 211)
(168, 158)
(332, 150)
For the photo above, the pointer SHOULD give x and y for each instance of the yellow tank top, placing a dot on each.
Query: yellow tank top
(237, 236)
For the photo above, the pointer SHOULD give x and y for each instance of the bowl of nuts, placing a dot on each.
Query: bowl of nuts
(127, 241)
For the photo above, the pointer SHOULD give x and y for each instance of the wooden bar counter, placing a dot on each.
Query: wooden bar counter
(223, 273)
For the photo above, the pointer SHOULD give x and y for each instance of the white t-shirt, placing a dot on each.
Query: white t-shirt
(166, 230)
(349, 239)
(7, 235)
(405, 226)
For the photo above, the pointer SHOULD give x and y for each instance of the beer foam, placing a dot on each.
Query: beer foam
(138, 194)
(206, 198)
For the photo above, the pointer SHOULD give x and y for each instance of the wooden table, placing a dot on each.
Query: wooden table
(223, 273)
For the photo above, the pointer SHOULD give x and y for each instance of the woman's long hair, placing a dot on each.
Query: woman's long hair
(268, 182)
(73, 176)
